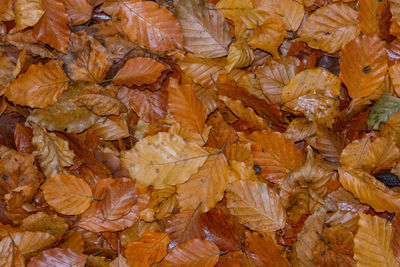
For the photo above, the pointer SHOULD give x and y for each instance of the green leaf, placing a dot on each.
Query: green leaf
(380, 112)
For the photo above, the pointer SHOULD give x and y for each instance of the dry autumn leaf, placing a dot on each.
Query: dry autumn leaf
(69, 195)
(174, 165)
(40, 86)
(363, 65)
(151, 25)
(372, 242)
(138, 133)
(139, 71)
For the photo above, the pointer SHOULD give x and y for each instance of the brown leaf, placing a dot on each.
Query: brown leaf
(150, 25)
(369, 190)
(58, 257)
(40, 86)
(79, 11)
(195, 252)
(51, 151)
(30, 243)
(42, 222)
(184, 226)
(150, 248)
(112, 127)
(52, 28)
(87, 60)
(266, 249)
(10, 254)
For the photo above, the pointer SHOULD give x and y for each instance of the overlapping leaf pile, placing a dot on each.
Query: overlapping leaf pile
(199, 133)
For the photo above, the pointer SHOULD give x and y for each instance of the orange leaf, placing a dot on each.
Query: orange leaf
(185, 106)
(363, 65)
(150, 248)
(138, 71)
(39, 87)
(79, 11)
(330, 27)
(150, 25)
(268, 37)
(52, 28)
(10, 254)
(395, 242)
(69, 195)
(59, 257)
(194, 253)
(95, 220)
(265, 248)
(275, 154)
(370, 191)
(207, 186)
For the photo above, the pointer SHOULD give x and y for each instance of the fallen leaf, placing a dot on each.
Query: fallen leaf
(205, 31)
(150, 248)
(69, 195)
(40, 86)
(27, 13)
(372, 242)
(51, 151)
(79, 11)
(58, 257)
(185, 106)
(268, 37)
(138, 71)
(52, 28)
(206, 254)
(159, 30)
(330, 28)
(381, 110)
(256, 206)
(365, 59)
(171, 165)
(209, 183)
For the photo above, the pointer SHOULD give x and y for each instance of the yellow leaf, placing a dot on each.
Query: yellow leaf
(372, 242)
(370, 156)
(268, 37)
(256, 206)
(292, 13)
(241, 11)
(314, 92)
(330, 27)
(240, 55)
(163, 160)
(369, 190)
(190, 136)
(391, 127)
(51, 151)
(68, 195)
(27, 13)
